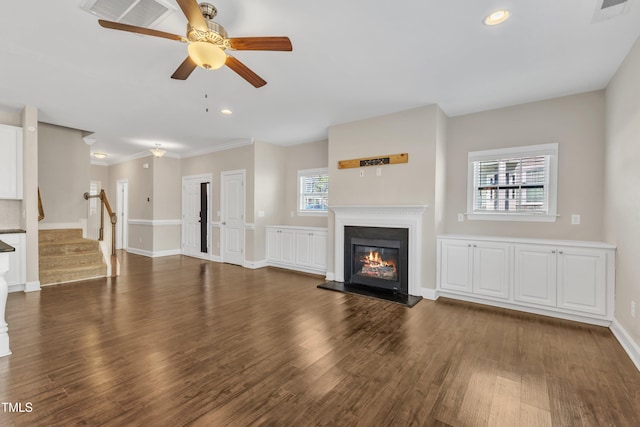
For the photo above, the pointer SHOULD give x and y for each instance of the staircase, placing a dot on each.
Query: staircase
(65, 256)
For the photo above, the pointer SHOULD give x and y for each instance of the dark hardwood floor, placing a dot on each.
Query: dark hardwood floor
(179, 341)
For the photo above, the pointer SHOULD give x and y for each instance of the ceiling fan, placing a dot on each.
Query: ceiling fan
(208, 42)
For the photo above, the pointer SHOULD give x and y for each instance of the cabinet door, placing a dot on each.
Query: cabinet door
(491, 263)
(455, 268)
(303, 248)
(319, 250)
(582, 280)
(10, 162)
(288, 246)
(273, 244)
(535, 274)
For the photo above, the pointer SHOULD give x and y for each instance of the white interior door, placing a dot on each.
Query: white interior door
(232, 210)
(122, 213)
(194, 233)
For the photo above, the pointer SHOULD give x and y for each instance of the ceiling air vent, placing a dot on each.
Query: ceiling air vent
(607, 9)
(142, 13)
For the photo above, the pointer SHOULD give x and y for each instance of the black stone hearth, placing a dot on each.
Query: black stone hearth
(372, 292)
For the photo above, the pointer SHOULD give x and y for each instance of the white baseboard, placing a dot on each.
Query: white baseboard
(627, 342)
(215, 258)
(330, 277)
(32, 286)
(255, 264)
(25, 287)
(15, 288)
(154, 254)
(427, 293)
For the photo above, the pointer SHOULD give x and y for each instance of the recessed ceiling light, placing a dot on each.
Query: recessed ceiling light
(497, 17)
(226, 112)
(99, 155)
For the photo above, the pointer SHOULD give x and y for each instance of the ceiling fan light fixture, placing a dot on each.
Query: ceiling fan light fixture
(157, 151)
(497, 17)
(207, 55)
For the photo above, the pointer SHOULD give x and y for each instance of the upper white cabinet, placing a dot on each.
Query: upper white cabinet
(10, 162)
(569, 279)
(297, 248)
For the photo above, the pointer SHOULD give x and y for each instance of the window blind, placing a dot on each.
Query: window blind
(512, 185)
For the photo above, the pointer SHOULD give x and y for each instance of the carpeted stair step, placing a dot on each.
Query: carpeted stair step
(67, 274)
(59, 235)
(68, 247)
(49, 262)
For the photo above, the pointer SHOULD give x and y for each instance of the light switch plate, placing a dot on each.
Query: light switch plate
(575, 219)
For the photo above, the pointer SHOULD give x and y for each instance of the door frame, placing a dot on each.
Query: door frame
(205, 177)
(122, 223)
(224, 174)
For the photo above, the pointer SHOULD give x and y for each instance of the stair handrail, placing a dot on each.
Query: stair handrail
(40, 208)
(104, 203)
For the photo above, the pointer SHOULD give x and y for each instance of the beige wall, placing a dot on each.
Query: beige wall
(576, 123)
(414, 132)
(221, 161)
(270, 161)
(622, 198)
(140, 182)
(167, 203)
(63, 173)
(100, 173)
(312, 155)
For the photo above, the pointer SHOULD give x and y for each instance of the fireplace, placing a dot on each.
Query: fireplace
(377, 257)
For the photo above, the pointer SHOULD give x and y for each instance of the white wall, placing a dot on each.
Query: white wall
(622, 180)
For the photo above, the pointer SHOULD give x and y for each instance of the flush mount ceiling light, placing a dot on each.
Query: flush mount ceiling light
(206, 55)
(226, 112)
(157, 151)
(99, 155)
(497, 17)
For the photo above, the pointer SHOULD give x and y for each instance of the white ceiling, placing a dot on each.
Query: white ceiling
(351, 60)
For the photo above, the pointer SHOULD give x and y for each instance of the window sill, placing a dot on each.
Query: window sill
(511, 217)
(312, 213)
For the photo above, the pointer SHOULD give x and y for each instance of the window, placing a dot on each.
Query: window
(313, 191)
(516, 184)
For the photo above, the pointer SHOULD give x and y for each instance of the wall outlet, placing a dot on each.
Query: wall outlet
(633, 309)
(260, 214)
(460, 217)
(361, 173)
(378, 171)
(293, 213)
(575, 219)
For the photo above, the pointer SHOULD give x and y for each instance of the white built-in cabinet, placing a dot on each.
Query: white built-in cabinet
(16, 277)
(297, 248)
(568, 279)
(10, 162)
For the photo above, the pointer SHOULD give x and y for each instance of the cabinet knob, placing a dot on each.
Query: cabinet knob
(561, 252)
(469, 245)
(553, 251)
(475, 246)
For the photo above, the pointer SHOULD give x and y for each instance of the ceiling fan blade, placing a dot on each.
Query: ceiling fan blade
(192, 11)
(139, 30)
(244, 72)
(261, 43)
(184, 70)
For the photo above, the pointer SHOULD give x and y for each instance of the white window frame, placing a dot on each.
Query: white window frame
(301, 174)
(550, 150)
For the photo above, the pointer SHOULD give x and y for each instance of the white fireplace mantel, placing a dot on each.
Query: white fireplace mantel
(397, 216)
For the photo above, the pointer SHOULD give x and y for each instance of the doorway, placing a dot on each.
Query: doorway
(196, 196)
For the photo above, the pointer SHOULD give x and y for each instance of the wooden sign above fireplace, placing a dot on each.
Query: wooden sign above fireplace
(388, 159)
